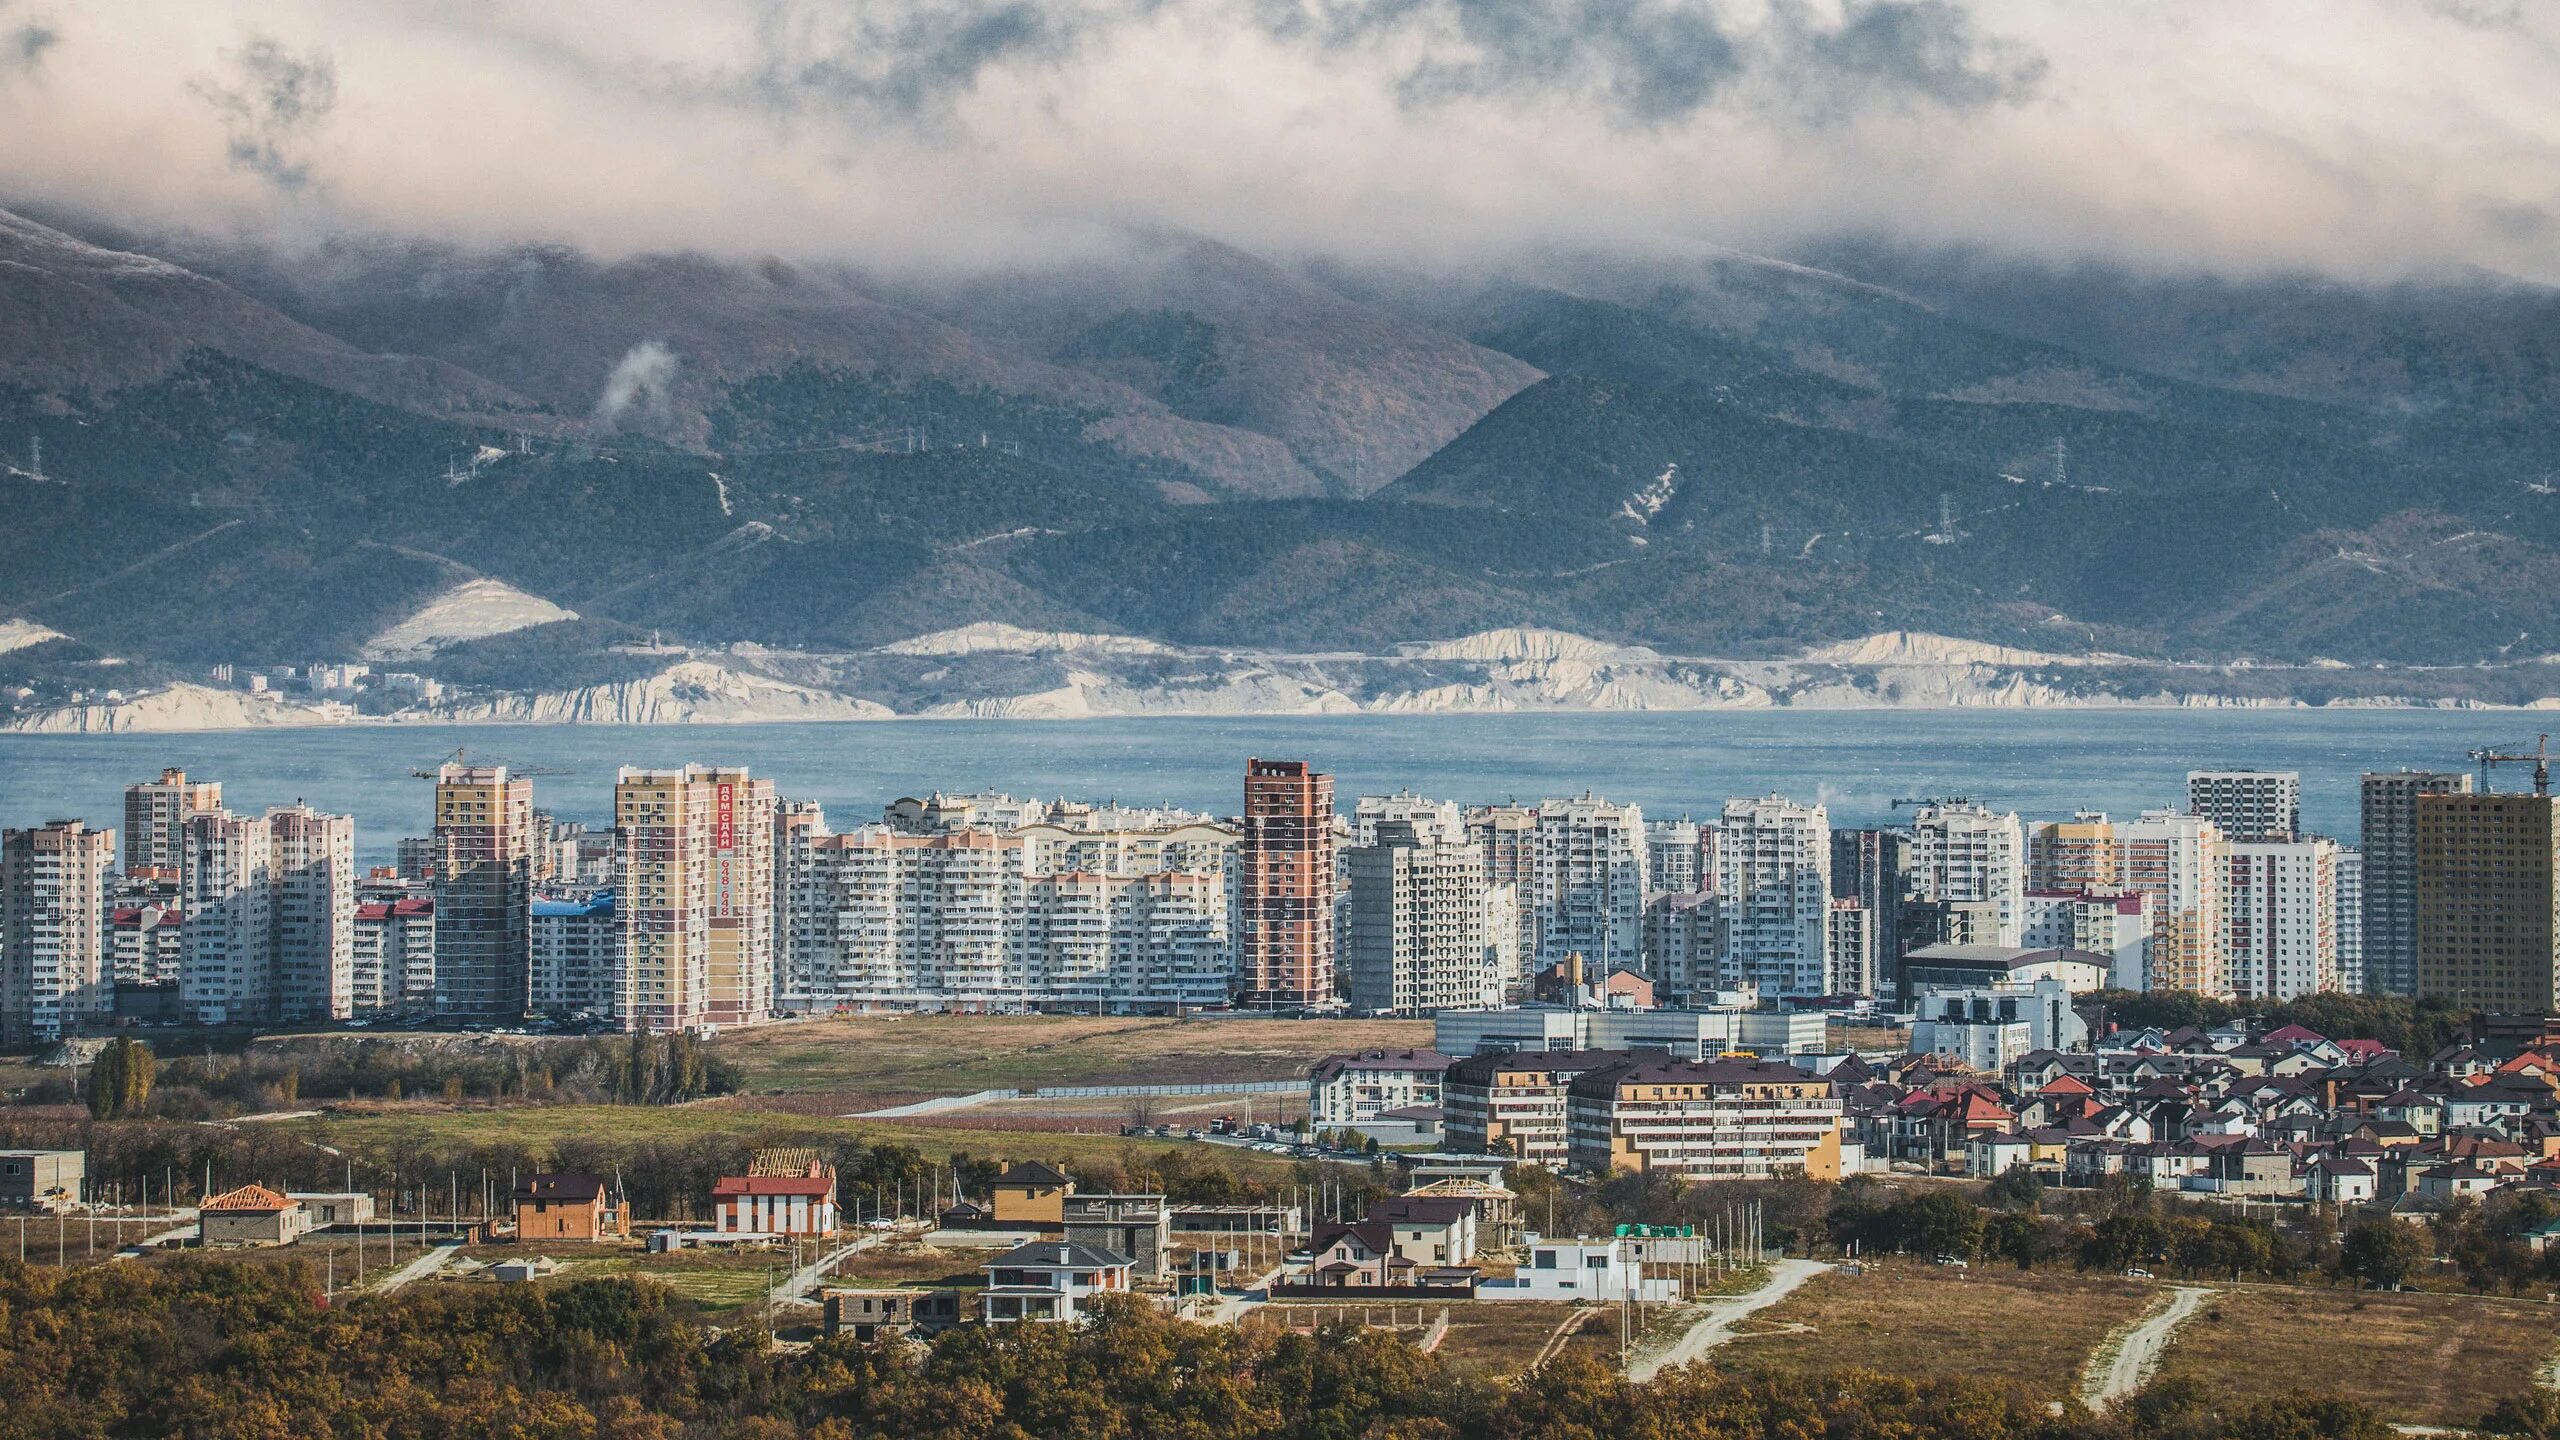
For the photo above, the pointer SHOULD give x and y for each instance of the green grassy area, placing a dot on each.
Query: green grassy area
(947, 1054)
(542, 1126)
(715, 1283)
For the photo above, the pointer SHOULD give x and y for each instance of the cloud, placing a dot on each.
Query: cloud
(639, 387)
(269, 102)
(2362, 137)
(23, 43)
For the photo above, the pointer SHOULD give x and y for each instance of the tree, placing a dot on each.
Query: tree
(120, 1080)
(2381, 1252)
(2018, 1188)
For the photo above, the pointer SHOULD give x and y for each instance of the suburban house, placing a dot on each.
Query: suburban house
(1139, 1227)
(2337, 1180)
(334, 1207)
(1049, 1280)
(251, 1215)
(1030, 1196)
(1569, 1270)
(784, 1192)
(1429, 1231)
(577, 1208)
(41, 1179)
(1362, 1255)
(888, 1314)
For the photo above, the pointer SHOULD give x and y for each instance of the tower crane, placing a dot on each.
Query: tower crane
(2539, 757)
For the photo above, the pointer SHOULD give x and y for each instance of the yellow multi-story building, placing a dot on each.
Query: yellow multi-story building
(1703, 1120)
(693, 885)
(2179, 862)
(483, 892)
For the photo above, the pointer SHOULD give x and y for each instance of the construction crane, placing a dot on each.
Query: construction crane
(1931, 802)
(2539, 756)
(461, 756)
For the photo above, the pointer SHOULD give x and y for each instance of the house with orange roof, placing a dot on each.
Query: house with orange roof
(251, 1215)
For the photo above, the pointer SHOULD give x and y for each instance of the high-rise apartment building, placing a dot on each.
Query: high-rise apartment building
(2348, 922)
(2113, 923)
(1157, 942)
(155, 818)
(576, 956)
(2248, 804)
(1416, 938)
(2280, 912)
(483, 892)
(2075, 855)
(1507, 836)
(693, 889)
(799, 964)
(911, 921)
(314, 860)
(1432, 820)
(56, 970)
(1683, 948)
(1591, 883)
(1285, 889)
(1965, 853)
(1675, 856)
(2389, 843)
(228, 894)
(1773, 895)
(394, 965)
(2177, 861)
(1867, 866)
(1851, 966)
(2488, 912)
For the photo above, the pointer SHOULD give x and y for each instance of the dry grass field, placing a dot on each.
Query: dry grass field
(2035, 1328)
(910, 1055)
(2419, 1359)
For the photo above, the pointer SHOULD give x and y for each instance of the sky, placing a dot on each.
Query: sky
(2364, 138)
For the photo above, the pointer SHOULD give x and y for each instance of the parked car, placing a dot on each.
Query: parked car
(2137, 1273)
(1955, 1262)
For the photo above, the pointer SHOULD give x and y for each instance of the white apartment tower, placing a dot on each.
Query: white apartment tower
(799, 960)
(2180, 862)
(1432, 820)
(2349, 921)
(1675, 857)
(314, 868)
(2280, 913)
(1417, 941)
(227, 889)
(1964, 853)
(56, 975)
(1773, 895)
(1591, 883)
(2248, 804)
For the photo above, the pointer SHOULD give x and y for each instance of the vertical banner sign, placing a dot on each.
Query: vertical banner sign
(724, 851)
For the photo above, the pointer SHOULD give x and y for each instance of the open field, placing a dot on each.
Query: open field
(2419, 1359)
(716, 1283)
(889, 1055)
(2035, 1328)
(892, 1265)
(542, 1126)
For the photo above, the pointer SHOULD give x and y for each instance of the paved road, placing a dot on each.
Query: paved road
(418, 1269)
(2139, 1355)
(805, 1279)
(1716, 1326)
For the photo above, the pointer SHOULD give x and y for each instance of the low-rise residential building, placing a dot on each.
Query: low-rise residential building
(1357, 1088)
(251, 1215)
(1514, 1104)
(1136, 1227)
(1049, 1280)
(1580, 1271)
(334, 1207)
(581, 1209)
(1030, 1196)
(41, 1179)
(868, 1315)
(790, 1192)
(1703, 1120)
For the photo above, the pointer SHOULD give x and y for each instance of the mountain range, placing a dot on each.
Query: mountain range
(222, 452)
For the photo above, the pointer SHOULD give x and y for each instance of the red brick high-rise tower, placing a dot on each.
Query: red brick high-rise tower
(1284, 901)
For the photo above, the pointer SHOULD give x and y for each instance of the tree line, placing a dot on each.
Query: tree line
(128, 1080)
(216, 1348)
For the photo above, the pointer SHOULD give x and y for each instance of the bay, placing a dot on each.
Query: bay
(2042, 763)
